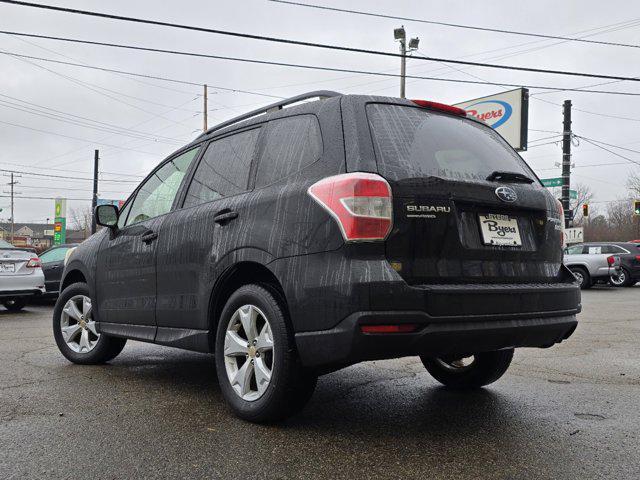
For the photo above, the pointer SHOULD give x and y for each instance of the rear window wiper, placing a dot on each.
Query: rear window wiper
(509, 177)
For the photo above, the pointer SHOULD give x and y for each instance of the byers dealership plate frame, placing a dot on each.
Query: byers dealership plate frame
(499, 229)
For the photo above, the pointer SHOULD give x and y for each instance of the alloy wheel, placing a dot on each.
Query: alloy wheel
(454, 364)
(579, 276)
(248, 352)
(77, 324)
(619, 279)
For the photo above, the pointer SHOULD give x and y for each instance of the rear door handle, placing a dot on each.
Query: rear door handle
(225, 217)
(149, 236)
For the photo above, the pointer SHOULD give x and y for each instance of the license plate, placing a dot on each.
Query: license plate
(7, 267)
(500, 230)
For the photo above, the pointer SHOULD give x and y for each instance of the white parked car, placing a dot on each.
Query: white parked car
(21, 276)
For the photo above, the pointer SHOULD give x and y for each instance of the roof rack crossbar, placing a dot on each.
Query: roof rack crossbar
(273, 107)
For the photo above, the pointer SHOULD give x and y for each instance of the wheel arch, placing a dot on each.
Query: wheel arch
(73, 275)
(239, 274)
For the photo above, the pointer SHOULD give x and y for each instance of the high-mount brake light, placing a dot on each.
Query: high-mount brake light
(441, 107)
(34, 262)
(360, 202)
(398, 328)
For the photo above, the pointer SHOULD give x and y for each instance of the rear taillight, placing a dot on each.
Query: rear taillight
(441, 107)
(611, 260)
(638, 258)
(34, 262)
(360, 203)
(560, 211)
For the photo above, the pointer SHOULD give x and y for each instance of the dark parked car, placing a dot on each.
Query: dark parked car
(291, 242)
(53, 265)
(629, 273)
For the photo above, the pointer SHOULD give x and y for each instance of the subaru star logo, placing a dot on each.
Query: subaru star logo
(506, 194)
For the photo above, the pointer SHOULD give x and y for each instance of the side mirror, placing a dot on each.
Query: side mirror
(107, 216)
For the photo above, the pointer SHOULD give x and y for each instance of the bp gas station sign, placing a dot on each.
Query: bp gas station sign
(506, 112)
(60, 226)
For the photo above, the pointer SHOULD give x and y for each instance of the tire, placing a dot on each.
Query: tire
(583, 277)
(486, 368)
(101, 349)
(622, 280)
(15, 304)
(289, 386)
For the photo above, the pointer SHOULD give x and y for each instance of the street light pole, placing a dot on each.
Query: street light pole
(401, 36)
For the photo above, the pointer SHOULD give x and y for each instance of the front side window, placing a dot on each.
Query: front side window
(224, 169)
(413, 142)
(575, 250)
(155, 196)
(55, 255)
(290, 144)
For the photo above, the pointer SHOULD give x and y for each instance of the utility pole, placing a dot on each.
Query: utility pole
(566, 160)
(94, 199)
(401, 36)
(12, 192)
(204, 128)
(12, 183)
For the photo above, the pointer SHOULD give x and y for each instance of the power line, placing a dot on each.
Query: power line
(280, 40)
(141, 75)
(65, 176)
(44, 198)
(334, 69)
(75, 138)
(81, 121)
(596, 144)
(444, 24)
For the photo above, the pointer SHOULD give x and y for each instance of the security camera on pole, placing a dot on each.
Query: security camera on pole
(401, 36)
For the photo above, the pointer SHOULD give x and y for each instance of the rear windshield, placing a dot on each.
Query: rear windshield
(412, 142)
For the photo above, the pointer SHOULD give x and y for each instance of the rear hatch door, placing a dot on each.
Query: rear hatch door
(467, 208)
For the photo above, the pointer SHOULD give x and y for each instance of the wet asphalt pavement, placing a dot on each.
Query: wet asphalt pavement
(572, 411)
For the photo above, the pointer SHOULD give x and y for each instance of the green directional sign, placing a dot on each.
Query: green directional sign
(552, 182)
(573, 194)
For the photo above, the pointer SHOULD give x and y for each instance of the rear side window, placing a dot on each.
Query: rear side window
(290, 144)
(413, 142)
(224, 168)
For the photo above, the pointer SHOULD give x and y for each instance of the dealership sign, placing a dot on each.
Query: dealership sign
(506, 112)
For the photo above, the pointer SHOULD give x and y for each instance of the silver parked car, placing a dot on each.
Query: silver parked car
(592, 262)
(21, 276)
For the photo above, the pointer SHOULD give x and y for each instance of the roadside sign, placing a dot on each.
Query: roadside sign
(573, 194)
(60, 231)
(552, 182)
(506, 112)
(573, 235)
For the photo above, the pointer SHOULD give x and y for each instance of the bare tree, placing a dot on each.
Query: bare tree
(633, 184)
(585, 195)
(81, 220)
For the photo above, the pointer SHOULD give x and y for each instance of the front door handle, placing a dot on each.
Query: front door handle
(149, 236)
(225, 217)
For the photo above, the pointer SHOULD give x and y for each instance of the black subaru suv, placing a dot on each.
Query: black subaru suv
(291, 242)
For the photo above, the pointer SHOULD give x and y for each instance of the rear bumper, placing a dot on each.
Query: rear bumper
(346, 344)
(22, 285)
(21, 293)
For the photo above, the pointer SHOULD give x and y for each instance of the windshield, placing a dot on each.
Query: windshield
(413, 142)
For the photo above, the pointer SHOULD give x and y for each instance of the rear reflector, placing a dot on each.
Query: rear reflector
(441, 107)
(360, 202)
(400, 328)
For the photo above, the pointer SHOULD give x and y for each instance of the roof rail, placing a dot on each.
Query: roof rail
(320, 94)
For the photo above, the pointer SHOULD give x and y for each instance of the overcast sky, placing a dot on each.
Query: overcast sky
(160, 117)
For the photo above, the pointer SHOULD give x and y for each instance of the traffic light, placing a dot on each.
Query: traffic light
(636, 207)
(585, 210)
